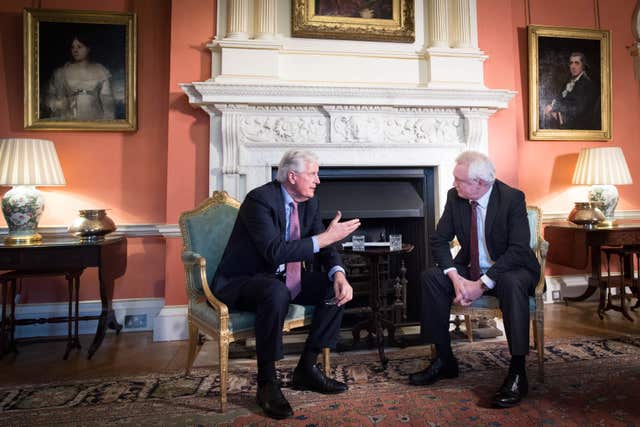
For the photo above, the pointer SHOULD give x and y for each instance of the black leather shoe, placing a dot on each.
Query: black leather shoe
(272, 401)
(436, 371)
(316, 380)
(513, 389)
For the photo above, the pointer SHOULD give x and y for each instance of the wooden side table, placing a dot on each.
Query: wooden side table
(572, 246)
(68, 254)
(376, 324)
(7, 333)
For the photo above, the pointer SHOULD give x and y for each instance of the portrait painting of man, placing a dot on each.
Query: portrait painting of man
(569, 73)
(569, 83)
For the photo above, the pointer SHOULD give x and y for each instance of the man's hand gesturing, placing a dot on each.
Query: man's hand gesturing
(337, 230)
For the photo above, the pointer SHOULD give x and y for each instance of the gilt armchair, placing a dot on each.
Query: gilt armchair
(488, 306)
(205, 232)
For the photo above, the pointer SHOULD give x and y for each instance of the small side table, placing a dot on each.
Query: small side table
(376, 324)
(7, 333)
(68, 254)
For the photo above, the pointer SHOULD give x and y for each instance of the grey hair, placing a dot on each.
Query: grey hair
(480, 166)
(296, 161)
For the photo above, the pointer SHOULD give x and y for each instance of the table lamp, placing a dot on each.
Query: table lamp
(25, 163)
(603, 168)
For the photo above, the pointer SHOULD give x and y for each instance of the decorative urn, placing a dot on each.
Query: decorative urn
(92, 224)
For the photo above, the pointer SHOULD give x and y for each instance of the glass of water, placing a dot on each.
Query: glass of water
(395, 242)
(358, 243)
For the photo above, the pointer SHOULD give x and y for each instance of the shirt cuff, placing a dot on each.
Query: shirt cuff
(334, 270)
(316, 245)
(446, 271)
(487, 281)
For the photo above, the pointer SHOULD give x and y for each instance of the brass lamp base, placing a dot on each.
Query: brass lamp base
(23, 240)
(608, 223)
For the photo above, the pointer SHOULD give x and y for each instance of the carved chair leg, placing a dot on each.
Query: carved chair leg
(540, 344)
(534, 330)
(467, 324)
(193, 346)
(326, 362)
(223, 354)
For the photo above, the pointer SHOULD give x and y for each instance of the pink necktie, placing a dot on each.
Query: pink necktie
(294, 281)
(474, 255)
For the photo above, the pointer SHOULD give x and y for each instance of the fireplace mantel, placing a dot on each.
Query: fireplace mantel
(252, 125)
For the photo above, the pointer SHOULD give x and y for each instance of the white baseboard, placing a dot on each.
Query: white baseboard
(133, 314)
(171, 324)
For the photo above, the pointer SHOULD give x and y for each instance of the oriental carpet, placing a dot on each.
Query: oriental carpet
(589, 381)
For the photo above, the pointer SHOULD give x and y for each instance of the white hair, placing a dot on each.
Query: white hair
(480, 166)
(296, 161)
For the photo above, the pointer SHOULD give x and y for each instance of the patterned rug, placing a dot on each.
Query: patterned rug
(588, 382)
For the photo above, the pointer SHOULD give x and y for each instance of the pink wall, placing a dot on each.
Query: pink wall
(152, 175)
(122, 171)
(192, 26)
(543, 169)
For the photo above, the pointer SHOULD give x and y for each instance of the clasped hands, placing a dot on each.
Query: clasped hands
(467, 291)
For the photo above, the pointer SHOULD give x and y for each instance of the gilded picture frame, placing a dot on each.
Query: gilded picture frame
(79, 70)
(569, 84)
(362, 20)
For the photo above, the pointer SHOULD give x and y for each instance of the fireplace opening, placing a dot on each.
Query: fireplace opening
(388, 200)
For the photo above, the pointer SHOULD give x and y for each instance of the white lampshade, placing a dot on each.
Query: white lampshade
(601, 165)
(603, 168)
(29, 162)
(25, 163)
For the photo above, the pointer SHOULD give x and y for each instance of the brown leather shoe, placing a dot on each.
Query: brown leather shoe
(272, 401)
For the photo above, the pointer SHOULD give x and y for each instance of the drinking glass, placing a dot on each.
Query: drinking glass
(358, 243)
(395, 242)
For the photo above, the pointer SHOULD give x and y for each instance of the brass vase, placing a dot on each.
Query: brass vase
(92, 225)
(587, 214)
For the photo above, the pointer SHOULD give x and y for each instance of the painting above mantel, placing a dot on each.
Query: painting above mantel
(379, 20)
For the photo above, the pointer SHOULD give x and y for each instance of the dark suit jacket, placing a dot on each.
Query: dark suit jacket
(506, 232)
(257, 243)
(581, 107)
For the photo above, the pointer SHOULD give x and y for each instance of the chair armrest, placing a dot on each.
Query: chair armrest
(196, 272)
(543, 248)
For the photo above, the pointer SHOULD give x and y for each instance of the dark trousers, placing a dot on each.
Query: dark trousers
(269, 298)
(512, 290)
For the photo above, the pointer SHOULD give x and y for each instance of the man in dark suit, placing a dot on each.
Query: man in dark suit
(495, 258)
(277, 233)
(576, 106)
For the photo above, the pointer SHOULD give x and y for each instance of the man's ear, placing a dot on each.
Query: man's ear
(291, 177)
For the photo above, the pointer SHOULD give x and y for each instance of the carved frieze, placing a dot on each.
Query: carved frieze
(283, 129)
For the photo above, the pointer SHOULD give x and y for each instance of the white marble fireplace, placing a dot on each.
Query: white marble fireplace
(354, 103)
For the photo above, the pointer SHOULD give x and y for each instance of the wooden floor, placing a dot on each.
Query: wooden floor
(136, 353)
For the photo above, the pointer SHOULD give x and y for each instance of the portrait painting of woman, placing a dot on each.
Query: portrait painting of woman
(82, 70)
(81, 88)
